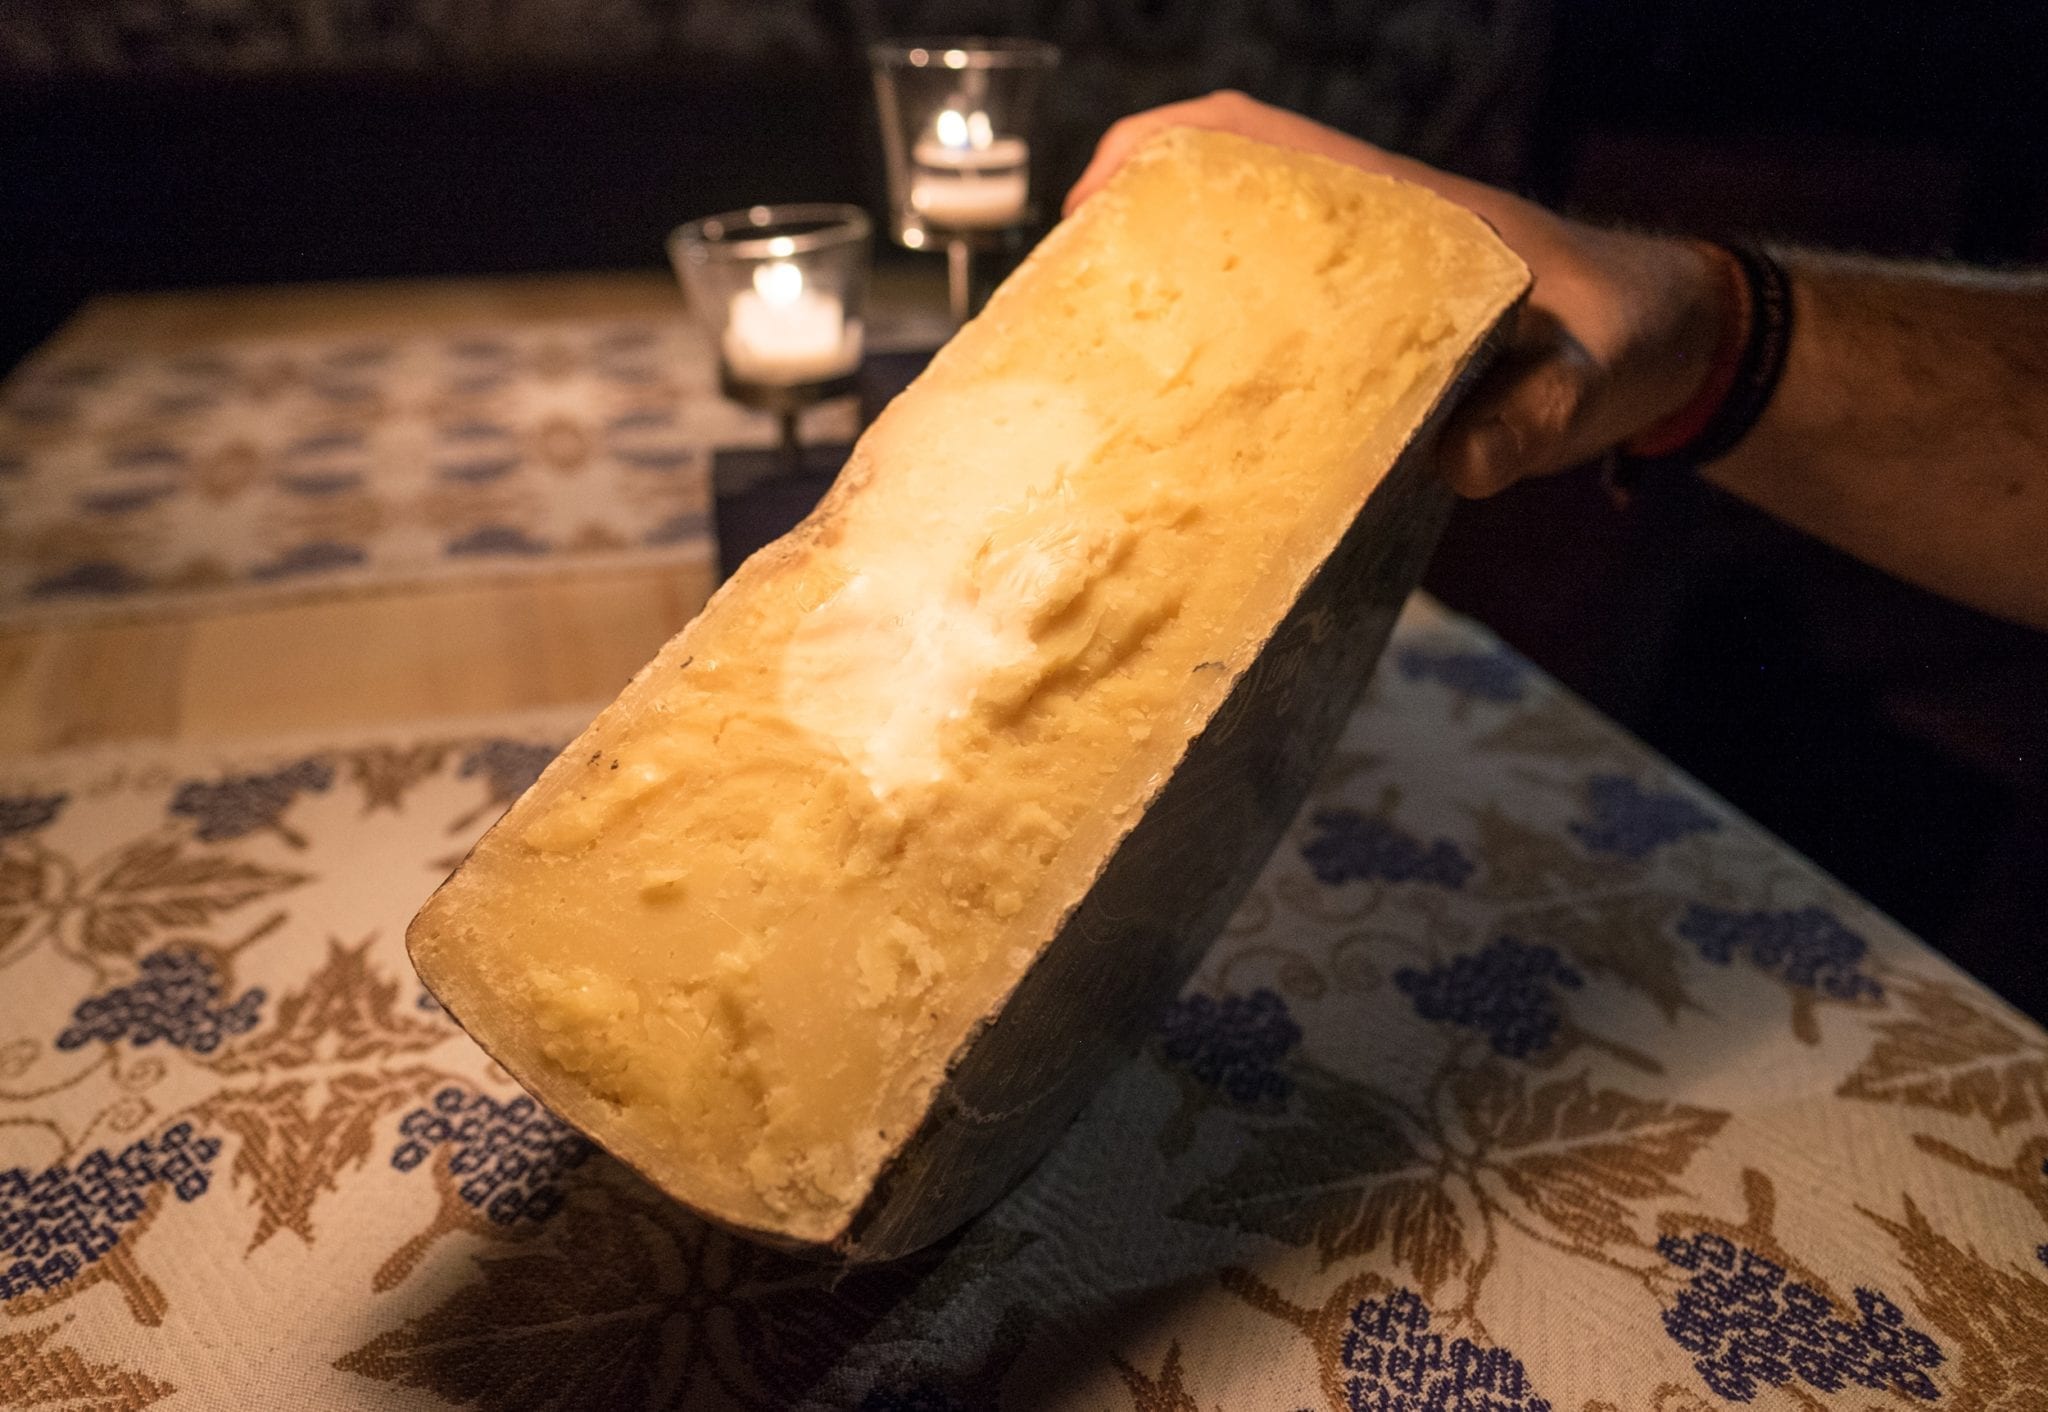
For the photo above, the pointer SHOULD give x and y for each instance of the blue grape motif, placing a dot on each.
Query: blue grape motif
(1498, 674)
(25, 813)
(1503, 990)
(1234, 1045)
(1396, 1364)
(1749, 1327)
(56, 1222)
(508, 1156)
(509, 766)
(1350, 846)
(1631, 822)
(238, 805)
(177, 998)
(1806, 947)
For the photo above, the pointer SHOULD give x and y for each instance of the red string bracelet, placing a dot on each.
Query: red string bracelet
(1749, 358)
(1682, 427)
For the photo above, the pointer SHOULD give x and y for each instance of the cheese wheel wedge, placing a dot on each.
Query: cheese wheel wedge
(830, 923)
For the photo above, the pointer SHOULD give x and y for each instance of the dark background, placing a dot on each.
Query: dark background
(1897, 740)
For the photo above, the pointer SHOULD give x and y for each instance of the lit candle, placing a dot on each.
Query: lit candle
(781, 333)
(964, 177)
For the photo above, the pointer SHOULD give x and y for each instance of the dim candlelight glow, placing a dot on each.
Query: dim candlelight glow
(967, 178)
(781, 332)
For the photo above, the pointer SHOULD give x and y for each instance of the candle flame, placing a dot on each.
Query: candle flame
(778, 282)
(963, 131)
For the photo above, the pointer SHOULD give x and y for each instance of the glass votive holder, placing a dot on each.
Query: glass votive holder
(779, 291)
(957, 119)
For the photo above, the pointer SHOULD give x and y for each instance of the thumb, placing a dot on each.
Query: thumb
(1518, 421)
(1479, 457)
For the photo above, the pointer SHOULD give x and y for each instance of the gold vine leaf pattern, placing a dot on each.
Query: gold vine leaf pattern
(345, 1011)
(1567, 1162)
(1952, 1056)
(155, 885)
(387, 773)
(294, 1146)
(1558, 727)
(1527, 864)
(37, 1372)
(627, 1302)
(2022, 1175)
(1666, 1397)
(1348, 1180)
(1622, 935)
(1995, 1317)
(1165, 1393)
(1579, 1159)
(26, 887)
(299, 1132)
(538, 1331)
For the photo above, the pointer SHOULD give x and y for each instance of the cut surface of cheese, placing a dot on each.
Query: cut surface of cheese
(742, 927)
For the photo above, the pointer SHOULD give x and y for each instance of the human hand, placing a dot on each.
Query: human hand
(1616, 335)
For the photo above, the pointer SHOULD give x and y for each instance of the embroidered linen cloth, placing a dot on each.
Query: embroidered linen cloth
(268, 468)
(1530, 1077)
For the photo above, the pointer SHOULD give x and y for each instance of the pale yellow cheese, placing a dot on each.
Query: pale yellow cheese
(738, 929)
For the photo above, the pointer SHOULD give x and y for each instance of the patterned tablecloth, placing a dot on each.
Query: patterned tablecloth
(258, 469)
(1530, 1077)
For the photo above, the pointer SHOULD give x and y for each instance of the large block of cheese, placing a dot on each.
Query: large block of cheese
(830, 923)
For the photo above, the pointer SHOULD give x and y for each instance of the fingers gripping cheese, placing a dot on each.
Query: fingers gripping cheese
(832, 920)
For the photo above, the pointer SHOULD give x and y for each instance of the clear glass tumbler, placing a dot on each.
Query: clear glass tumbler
(779, 290)
(957, 121)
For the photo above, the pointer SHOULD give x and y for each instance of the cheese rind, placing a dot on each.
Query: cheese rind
(912, 768)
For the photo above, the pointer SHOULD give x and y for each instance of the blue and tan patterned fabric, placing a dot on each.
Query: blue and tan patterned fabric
(265, 468)
(1531, 1078)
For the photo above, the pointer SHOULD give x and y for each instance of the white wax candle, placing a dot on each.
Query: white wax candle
(964, 177)
(971, 202)
(780, 333)
(1001, 152)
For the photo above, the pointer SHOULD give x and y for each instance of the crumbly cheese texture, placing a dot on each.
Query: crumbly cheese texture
(737, 930)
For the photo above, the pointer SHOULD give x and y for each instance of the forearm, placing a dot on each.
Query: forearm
(1910, 428)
